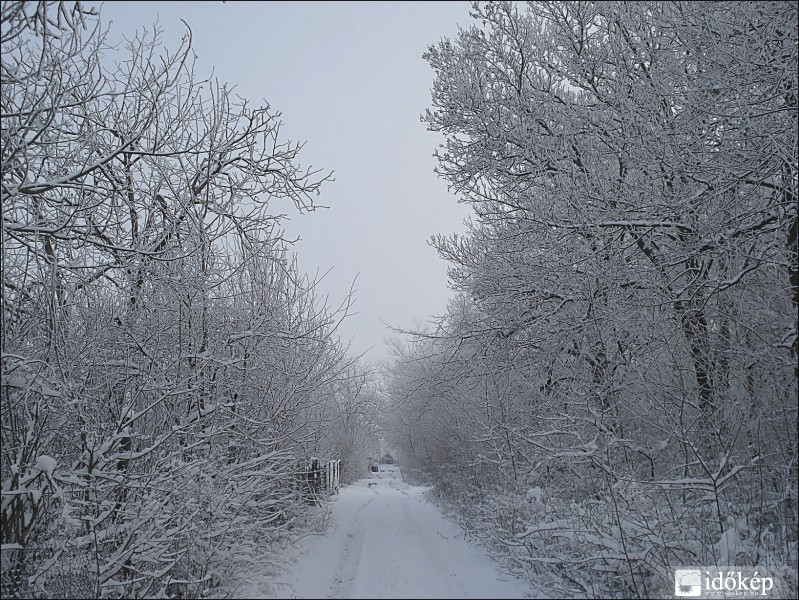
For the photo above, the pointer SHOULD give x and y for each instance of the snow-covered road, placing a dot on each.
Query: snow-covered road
(388, 541)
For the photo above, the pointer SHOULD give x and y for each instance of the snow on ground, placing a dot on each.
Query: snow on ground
(388, 541)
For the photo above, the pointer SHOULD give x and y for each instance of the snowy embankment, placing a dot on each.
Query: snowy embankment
(387, 541)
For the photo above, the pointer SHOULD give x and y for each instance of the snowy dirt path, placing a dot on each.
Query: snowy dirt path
(388, 541)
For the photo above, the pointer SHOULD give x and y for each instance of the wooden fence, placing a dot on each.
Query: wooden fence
(321, 479)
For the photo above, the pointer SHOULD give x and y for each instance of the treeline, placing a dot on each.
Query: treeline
(612, 392)
(167, 371)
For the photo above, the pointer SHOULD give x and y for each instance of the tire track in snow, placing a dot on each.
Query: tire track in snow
(350, 556)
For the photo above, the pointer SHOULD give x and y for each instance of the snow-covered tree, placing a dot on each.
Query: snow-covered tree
(624, 333)
(164, 363)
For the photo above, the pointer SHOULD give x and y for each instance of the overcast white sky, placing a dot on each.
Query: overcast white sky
(350, 80)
